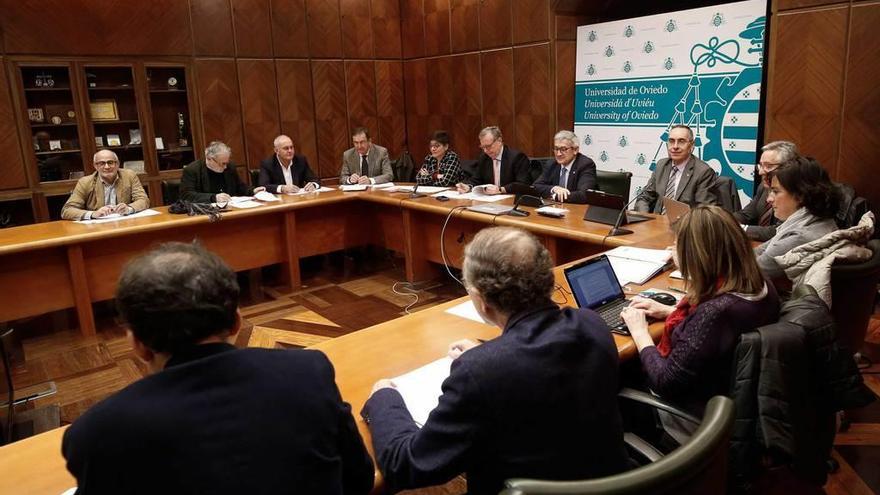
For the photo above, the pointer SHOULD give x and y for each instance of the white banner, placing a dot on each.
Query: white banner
(638, 77)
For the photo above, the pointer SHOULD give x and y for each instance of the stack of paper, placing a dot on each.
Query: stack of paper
(451, 194)
(421, 189)
(353, 187)
(637, 265)
(421, 388)
(466, 310)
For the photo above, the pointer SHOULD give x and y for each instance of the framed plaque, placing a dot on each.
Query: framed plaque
(36, 115)
(104, 110)
(113, 140)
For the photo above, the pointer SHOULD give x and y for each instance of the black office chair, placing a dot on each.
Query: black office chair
(853, 293)
(725, 191)
(404, 168)
(18, 425)
(698, 466)
(170, 191)
(538, 166)
(614, 182)
(852, 207)
(255, 177)
(469, 167)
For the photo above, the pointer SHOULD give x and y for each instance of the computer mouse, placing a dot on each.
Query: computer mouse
(664, 298)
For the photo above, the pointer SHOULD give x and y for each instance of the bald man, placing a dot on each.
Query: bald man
(107, 191)
(286, 172)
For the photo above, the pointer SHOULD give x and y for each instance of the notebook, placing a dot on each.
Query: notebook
(595, 287)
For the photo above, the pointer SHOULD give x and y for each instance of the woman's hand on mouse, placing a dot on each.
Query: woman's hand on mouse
(651, 307)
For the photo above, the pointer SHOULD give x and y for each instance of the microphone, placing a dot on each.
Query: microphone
(617, 230)
(516, 212)
(415, 194)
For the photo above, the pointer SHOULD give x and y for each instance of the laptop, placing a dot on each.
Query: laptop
(490, 208)
(675, 210)
(595, 286)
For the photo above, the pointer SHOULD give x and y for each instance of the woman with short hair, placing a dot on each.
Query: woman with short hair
(442, 166)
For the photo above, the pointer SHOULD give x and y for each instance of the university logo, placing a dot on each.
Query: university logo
(603, 156)
(591, 70)
(622, 141)
(592, 36)
(648, 48)
(717, 19)
(627, 67)
(609, 51)
(671, 26)
(628, 32)
(588, 140)
(668, 64)
(641, 160)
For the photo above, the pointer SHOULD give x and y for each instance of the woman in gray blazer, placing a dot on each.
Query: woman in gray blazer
(804, 199)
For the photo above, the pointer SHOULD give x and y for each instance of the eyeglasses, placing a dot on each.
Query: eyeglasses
(434, 146)
(768, 166)
(488, 146)
(680, 142)
(562, 149)
(106, 163)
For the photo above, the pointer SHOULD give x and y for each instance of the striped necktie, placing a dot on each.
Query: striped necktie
(670, 184)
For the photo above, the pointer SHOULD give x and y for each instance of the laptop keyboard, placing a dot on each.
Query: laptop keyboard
(611, 314)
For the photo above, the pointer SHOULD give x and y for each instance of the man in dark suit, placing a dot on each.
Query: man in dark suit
(539, 401)
(757, 217)
(365, 163)
(213, 179)
(682, 176)
(212, 418)
(568, 179)
(498, 166)
(286, 172)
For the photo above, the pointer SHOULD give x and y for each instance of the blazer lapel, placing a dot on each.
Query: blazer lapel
(99, 191)
(685, 178)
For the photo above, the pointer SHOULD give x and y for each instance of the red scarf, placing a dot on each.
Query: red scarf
(682, 310)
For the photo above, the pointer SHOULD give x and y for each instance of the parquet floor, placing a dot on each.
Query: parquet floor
(336, 298)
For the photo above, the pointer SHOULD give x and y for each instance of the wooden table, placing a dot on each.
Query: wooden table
(63, 264)
(35, 465)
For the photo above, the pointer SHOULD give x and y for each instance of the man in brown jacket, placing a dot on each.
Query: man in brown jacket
(109, 190)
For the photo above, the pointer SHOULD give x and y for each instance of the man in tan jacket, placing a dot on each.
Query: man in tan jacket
(109, 190)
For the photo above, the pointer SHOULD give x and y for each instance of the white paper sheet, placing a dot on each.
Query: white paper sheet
(116, 217)
(266, 196)
(353, 187)
(245, 204)
(303, 191)
(421, 388)
(452, 194)
(383, 185)
(466, 310)
(422, 189)
(637, 265)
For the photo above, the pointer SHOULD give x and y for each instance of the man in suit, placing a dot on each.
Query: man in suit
(498, 166)
(539, 401)
(365, 163)
(213, 179)
(212, 418)
(109, 190)
(568, 179)
(286, 172)
(757, 217)
(682, 176)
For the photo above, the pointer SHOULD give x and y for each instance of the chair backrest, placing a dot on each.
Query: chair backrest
(469, 167)
(725, 191)
(851, 208)
(255, 177)
(404, 168)
(853, 291)
(614, 182)
(170, 191)
(538, 165)
(698, 466)
(7, 395)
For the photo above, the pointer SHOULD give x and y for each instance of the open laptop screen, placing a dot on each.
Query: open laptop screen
(593, 282)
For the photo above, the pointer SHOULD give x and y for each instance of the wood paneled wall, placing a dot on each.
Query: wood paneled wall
(823, 91)
(312, 69)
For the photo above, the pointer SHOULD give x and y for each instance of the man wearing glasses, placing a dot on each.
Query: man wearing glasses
(498, 166)
(110, 190)
(214, 179)
(757, 217)
(568, 179)
(682, 176)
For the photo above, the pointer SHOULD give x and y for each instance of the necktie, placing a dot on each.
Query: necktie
(670, 186)
(563, 177)
(496, 166)
(365, 167)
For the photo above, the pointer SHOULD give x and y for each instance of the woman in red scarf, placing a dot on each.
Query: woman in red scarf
(726, 296)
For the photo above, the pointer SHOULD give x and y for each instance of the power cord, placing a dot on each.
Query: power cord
(443, 243)
(560, 289)
(410, 291)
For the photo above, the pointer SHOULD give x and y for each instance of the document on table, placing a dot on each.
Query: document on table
(422, 189)
(244, 204)
(472, 196)
(266, 196)
(353, 187)
(637, 265)
(320, 190)
(421, 388)
(116, 216)
(466, 310)
(383, 185)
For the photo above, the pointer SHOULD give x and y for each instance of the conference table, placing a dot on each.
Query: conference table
(63, 264)
(35, 465)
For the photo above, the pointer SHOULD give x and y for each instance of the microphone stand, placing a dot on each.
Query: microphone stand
(414, 194)
(516, 212)
(617, 230)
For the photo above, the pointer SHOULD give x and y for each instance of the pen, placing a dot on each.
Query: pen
(675, 289)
